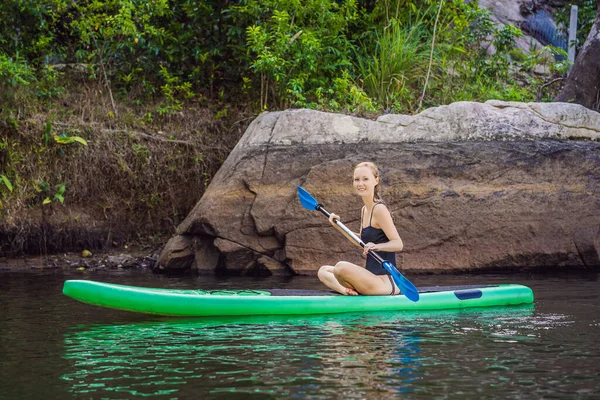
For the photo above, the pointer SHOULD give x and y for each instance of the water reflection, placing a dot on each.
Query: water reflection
(351, 356)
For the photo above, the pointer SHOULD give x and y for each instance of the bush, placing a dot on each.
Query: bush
(297, 50)
(262, 53)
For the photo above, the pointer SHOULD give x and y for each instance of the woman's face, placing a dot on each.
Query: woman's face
(364, 182)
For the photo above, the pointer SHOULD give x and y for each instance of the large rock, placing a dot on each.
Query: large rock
(508, 12)
(471, 186)
(519, 14)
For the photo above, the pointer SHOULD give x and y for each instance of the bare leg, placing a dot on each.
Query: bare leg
(327, 277)
(363, 281)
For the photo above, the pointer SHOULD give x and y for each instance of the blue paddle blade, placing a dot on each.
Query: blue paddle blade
(307, 200)
(406, 286)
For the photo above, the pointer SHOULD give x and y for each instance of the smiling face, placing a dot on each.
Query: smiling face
(365, 181)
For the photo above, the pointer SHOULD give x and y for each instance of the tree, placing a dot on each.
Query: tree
(583, 83)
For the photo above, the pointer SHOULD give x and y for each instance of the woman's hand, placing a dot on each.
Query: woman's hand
(333, 217)
(370, 247)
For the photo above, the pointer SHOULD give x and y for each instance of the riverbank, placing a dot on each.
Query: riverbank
(126, 258)
(74, 178)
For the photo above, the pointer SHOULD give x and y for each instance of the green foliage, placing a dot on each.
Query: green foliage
(51, 194)
(59, 194)
(47, 135)
(472, 59)
(22, 86)
(15, 78)
(14, 72)
(297, 48)
(349, 96)
(6, 185)
(397, 63)
(142, 153)
(122, 39)
(65, 139)
(28, 39)
(586, 13)
(6, 182)
(172, 91)
(326, 54)
(477, 61)
(30, 28)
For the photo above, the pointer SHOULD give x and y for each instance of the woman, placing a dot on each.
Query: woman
(377, 230)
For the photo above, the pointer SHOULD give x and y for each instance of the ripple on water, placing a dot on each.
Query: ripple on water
(352, 356)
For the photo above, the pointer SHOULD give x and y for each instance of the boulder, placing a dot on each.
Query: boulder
(510, 12)
(178, 254)
(472, 186)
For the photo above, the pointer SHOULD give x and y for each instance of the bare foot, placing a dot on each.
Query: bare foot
(351, 292)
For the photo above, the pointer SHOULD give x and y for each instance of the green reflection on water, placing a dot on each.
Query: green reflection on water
(344, 355)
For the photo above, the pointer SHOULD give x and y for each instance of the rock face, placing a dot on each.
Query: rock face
(471, 186)
(516, 13)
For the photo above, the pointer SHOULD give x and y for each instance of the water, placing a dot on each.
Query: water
(53, 347)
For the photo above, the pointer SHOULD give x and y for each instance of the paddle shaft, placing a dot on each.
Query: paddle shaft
(350, 233)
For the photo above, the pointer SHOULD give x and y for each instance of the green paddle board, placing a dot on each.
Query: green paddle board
(200, 303)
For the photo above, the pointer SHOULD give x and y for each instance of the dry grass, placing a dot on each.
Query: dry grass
(137, 179)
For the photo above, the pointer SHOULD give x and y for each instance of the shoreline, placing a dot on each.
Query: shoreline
(145, 259)
(117, 259)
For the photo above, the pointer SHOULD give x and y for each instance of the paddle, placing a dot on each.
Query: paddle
(406, 286)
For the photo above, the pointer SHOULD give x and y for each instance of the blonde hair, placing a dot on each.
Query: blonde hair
(375, 171)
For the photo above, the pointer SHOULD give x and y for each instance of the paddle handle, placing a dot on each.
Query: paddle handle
(350, 233)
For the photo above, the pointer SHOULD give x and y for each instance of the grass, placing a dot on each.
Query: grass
(139, 175)
(397, 64)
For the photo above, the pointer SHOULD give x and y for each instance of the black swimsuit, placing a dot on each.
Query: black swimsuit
(377, 236)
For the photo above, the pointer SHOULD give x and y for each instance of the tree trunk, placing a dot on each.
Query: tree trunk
(583, 82)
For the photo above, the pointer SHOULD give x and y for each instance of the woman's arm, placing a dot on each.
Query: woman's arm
(382, 219)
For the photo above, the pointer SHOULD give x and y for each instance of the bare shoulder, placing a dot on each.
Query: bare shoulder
(383, 220)
(381, 214)
(381, 210)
